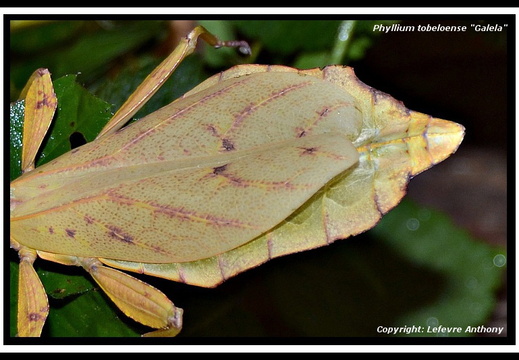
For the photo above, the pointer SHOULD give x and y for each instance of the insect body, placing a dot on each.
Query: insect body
(254, 163)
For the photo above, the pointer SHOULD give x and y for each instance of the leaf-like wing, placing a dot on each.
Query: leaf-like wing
(182, 210)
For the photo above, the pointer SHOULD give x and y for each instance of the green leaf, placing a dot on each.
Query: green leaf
(68, 282)
(101, 319)
(13, 298)
(16, 111)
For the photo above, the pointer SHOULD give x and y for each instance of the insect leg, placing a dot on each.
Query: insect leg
(40, 105)
(33, 305)
(137, 299)
(161, 73)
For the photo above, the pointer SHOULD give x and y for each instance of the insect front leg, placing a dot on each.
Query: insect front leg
(161, 73)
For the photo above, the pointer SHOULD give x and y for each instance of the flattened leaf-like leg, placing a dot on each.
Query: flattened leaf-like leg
(161, 73)
(138, 300)
(40, 105)
(33, 305)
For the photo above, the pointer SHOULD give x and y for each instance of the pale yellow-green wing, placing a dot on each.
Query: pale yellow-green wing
(182, 210)
(394, 144)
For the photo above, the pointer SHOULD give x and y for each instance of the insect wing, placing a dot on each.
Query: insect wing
(153, 213)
